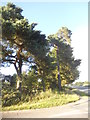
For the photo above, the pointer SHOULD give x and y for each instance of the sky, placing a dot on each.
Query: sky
(51, 16)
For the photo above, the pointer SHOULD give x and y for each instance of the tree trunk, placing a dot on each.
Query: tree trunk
(59, 79)
(43, 84)
(19, 83)
(19, 69)
(41, 75)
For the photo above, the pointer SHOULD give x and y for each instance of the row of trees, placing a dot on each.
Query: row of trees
(51, 59)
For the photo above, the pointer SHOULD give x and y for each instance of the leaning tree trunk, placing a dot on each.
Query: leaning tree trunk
(19, 80)
(18, 68)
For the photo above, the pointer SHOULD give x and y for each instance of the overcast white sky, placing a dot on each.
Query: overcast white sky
(80, 45)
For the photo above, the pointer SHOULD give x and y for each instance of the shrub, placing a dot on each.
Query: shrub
(10, 96)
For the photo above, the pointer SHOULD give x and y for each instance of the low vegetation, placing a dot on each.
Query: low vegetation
(30, 99)
(86, 83)
(45, 100)
(36, 100)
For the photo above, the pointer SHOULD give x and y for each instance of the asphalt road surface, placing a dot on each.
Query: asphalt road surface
(77, 109)
(83, 89)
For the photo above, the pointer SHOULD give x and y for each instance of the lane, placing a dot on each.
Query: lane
(76, 110)
(74, 114)
(82, 89)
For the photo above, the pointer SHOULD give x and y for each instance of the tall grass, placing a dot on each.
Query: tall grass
(45, 100)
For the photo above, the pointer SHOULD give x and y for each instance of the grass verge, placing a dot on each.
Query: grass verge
(45, 100)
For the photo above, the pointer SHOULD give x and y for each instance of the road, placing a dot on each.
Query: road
(83, 89)
(77, 109)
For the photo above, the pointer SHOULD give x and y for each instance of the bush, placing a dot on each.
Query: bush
(10, 96)
(30, 83)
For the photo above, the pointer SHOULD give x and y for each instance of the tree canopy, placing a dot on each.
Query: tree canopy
(22, 44)
(68, 65)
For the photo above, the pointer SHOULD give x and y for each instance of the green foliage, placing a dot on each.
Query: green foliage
(86, 83)
(68, 65)
(21, 44)
(30, 83)
(45, 100)
(10, 96)
(65, 35)
(79, 84)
